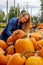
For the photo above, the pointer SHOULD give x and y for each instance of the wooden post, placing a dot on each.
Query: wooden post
(7, 10)
(14, 6)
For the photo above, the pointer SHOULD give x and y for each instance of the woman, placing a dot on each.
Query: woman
(15, 24)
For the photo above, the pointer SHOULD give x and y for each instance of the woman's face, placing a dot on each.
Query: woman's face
(24, 19)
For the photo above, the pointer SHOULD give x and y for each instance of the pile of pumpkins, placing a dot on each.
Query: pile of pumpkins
(22, 49)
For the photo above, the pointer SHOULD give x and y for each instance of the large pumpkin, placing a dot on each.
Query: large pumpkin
(17, 59)
(3, 44)
(34, 60)
(23, 45)
(17, 35)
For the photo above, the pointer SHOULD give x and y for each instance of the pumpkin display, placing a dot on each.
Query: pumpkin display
(3, 44)
(17, 35)
(23, 45)
(17, 59)
(34, 60)
(9, 39)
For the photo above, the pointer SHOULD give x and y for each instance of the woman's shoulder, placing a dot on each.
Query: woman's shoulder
(13, 20)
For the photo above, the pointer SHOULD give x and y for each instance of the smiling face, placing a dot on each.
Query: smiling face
(24, 19)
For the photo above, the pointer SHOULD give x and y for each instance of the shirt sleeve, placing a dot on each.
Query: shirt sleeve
(9, 28)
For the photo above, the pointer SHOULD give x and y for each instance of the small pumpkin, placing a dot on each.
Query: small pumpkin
(9, 39)
(17, 35)
(17, 59)
(10, 50)
(3, 44)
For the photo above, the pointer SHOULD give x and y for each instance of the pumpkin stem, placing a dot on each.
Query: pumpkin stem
(40, 46)
(17, 32)
(12, 43)
(28, 51)
(23, 36)
(6, 52)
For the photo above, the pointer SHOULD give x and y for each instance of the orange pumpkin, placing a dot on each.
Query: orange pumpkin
(3, 60)
(34, 43)
(36, 35)
(10, 50)
(8, 57)
(34, 60)
(41, 52)
(40, 42)
(10, 43)
(2, 51)
(9, 39)
(3, 44)
(23, 45)
(17, 59)
(17, 35)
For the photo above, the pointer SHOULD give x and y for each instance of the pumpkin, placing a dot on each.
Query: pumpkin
(2, 60)
(23, 45)
(41, 52)
(36, 35)
(3, 44)
(10, 43)
(9, 39)
(2, 51)
(39, 44)
(8, 57)
(10, 50)
(17, 35)
(34, 42)
(17, 59)
(34, 61)
(40, 26)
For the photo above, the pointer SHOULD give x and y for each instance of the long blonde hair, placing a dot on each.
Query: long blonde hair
(26, 26)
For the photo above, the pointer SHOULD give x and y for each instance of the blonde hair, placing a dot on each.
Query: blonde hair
(26, 26)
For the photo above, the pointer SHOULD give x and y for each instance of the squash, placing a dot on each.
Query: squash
(3, 44)
(17, 35)
(34, 60)
(9, 39)
(17, 59)
(10, 50)
(23, 45)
